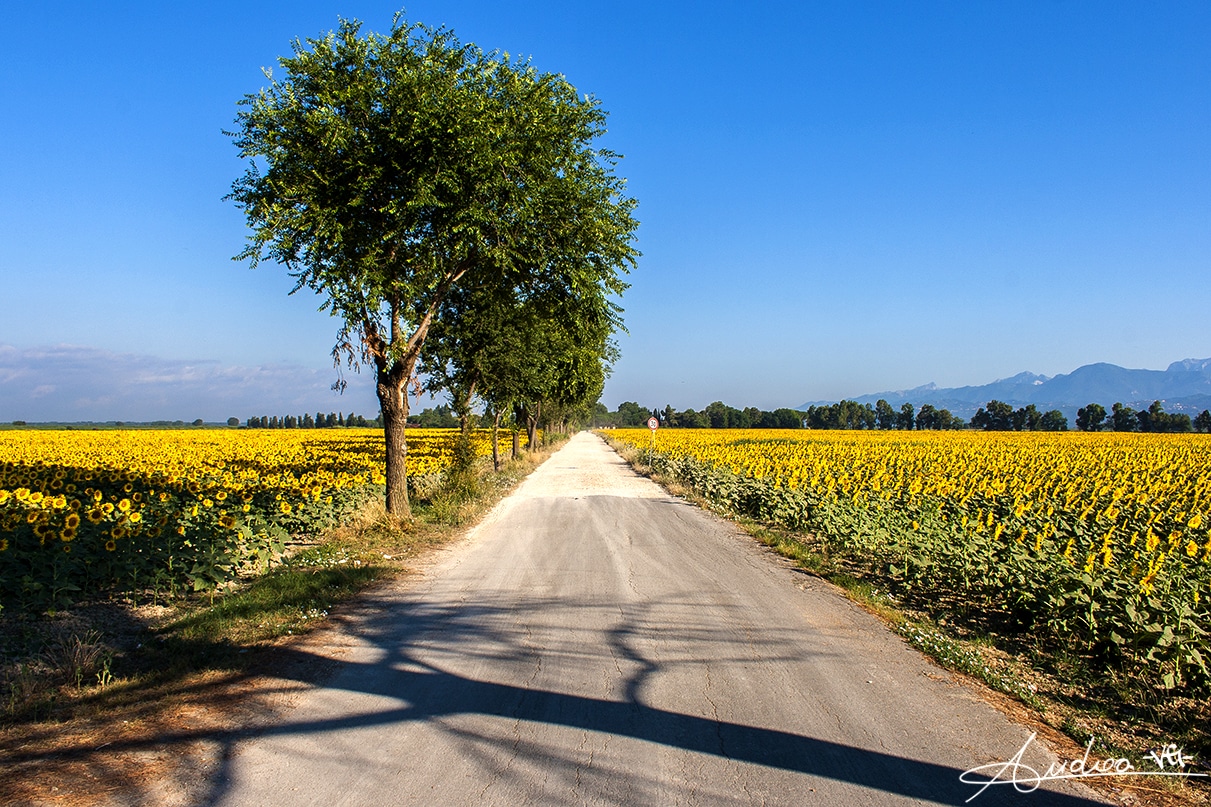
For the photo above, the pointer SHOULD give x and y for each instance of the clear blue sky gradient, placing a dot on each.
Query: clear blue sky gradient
(835, 199)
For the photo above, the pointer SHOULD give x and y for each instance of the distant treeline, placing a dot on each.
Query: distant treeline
(716, 416)
(1092, 418)
(995, 416)
(1001, 417)
(332, 420)
(843, 415)
(440, 417)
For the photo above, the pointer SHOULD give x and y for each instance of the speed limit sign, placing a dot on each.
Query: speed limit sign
(653, 424)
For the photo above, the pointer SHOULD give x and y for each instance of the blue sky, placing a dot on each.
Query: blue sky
(835, 199)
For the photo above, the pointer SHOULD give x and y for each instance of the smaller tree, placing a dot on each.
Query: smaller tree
(1202, 422)
(885, 416)
(1151, 419)
(1053, 420)
(997, 417)
(1026, 419)
(1090, 418)
(948, 421)
(785, 418)
(1157, 420)
(907, 418)
(631, 414)
(1123, 418)
(1179, 424)
(927, 418)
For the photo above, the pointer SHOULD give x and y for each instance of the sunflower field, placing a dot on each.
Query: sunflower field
(1096, 542)
(86, 512)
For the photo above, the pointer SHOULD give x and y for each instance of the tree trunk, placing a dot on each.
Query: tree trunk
(393, 397)
(532, 427)
(496, 443)
(516, 442)
(462, 407)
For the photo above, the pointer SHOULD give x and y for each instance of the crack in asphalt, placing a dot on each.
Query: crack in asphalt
(706, 693)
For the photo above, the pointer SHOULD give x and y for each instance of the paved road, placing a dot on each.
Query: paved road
(596, 641)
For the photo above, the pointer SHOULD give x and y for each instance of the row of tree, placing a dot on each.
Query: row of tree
(842, 415)
(331, 420)
(717, 415)
(995, 416)
(455, 216)
(438, 417)
(1155, 419)
(999, 416)
(853, 415)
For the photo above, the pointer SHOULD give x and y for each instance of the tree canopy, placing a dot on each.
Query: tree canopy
(1001, 417)
(389, 171)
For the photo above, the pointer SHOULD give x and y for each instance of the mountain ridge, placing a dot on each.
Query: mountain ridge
(1185, 386)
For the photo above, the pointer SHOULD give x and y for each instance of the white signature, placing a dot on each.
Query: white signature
(1026, 779)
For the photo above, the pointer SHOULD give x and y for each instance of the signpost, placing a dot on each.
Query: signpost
(653, 424)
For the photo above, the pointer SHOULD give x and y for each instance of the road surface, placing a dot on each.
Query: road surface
(597, 641)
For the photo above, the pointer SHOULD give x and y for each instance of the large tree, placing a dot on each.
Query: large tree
(387, 170)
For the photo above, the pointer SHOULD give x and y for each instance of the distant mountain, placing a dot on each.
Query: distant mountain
(1184, 387)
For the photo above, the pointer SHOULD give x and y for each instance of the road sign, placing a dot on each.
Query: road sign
(653, 424)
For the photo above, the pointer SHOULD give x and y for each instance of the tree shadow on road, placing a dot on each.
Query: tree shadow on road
(442, 665)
